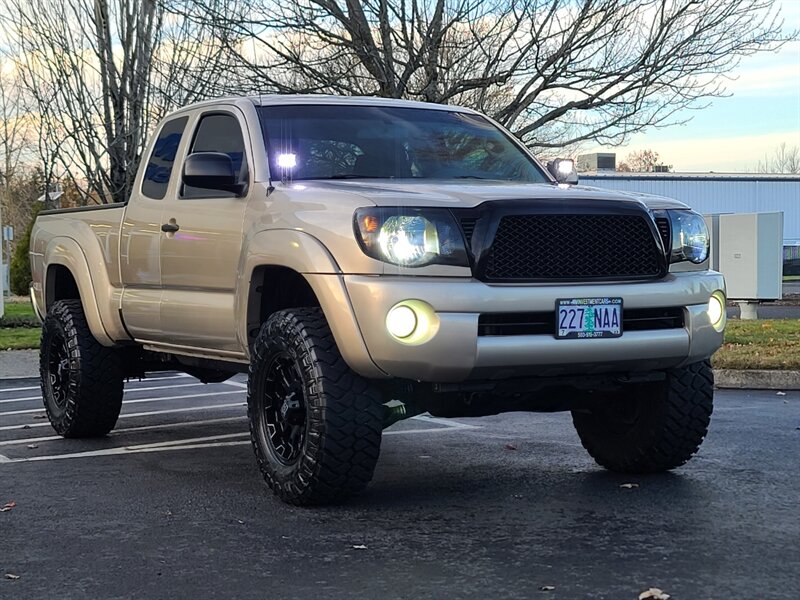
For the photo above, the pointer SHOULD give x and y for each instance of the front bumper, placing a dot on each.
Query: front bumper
(457, 353)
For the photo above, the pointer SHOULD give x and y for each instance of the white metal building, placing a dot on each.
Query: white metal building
(712, 193)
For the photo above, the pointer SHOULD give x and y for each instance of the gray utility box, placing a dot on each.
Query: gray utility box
(748, 250)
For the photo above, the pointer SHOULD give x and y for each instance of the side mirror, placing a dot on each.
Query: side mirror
(563, 169)
(211, 171)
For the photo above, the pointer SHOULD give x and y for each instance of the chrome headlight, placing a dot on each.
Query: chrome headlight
(690, 240)
(410, 237)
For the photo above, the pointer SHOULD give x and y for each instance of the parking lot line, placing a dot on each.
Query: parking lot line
(127, 390)
(187, 445)
(141, 414)
(121, 450)
(29, 411)
(36, 387)
(53, 438)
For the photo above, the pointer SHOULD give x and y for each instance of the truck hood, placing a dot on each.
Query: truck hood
(469, 193)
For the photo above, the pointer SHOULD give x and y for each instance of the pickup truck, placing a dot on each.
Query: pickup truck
(365, 260)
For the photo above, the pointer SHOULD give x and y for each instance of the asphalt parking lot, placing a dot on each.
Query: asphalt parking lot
(171, 505)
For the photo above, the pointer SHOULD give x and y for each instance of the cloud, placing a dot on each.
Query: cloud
(772, 74)
(720, 154)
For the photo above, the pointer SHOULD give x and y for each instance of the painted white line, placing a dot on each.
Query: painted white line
(141, 414)
(128, 450)
(116, 432)
(25, 399)
(238, 384)
(144, 389)
(187, 441)
(195, 443)
(20, 389)
(429, 430)
(4, 459)
(29, 411)
(178, 424)
(444, 422)
(137, 380)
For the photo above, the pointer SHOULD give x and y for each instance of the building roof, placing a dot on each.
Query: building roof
(622, 175)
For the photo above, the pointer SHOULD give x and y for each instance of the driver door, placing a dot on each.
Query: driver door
(199, 261)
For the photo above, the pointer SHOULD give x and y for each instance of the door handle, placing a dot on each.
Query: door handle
(170, 227)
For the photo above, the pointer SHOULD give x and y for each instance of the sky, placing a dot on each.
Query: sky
(735, 132)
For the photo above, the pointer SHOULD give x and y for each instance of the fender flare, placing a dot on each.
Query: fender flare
(66, 252)
(306, 255)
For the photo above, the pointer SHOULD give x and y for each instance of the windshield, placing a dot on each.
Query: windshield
(361, 142)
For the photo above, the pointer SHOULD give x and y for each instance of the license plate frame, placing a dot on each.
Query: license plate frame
(610, 307)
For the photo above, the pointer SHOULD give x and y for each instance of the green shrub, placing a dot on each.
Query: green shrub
(20, 262)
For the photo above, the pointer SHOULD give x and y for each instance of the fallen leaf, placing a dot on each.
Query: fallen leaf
(26, 426)
(359, 547)
(510, 447)
(654, 594)
(547, 588)
(12, 577)
(629, 486)
(240, 521)
(33, 446)
(40, 416)
(8, 506)
(780, 394)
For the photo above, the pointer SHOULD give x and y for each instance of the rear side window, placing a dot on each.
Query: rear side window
(159, 167)
(219, 133)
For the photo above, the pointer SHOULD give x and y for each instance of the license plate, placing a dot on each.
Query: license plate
(585, 318)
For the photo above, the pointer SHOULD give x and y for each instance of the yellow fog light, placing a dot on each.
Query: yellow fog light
(412, 322)
(401, 321)
(716, 310)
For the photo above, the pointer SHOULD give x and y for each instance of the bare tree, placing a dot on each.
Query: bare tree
(784, 159)
(643, 161)
(101, 72)
(556, 72)
(16, 148)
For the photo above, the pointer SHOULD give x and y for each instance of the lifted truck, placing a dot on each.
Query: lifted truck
(350, 253)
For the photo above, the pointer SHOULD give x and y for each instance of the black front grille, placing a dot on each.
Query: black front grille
(573, 247)
(544, 323)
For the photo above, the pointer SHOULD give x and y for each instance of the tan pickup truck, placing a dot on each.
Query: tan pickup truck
(366, 260)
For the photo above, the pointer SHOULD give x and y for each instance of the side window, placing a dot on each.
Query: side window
(218, 133)
(159, 166)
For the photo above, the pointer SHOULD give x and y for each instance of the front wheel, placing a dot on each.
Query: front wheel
(315, 425)
(656, 428)
(81, 380)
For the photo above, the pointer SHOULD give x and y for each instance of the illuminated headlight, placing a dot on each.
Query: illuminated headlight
(410, 237)
(716, 310)
(690, 240)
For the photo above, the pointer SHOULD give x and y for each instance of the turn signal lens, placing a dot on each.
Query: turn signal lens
(371, 224)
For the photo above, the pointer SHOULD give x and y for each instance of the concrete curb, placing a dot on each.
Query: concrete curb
(24, 364)
(756, 379)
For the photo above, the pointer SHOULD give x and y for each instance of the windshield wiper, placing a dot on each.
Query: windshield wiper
(469, 177)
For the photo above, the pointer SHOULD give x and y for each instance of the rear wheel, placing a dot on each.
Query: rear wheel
(656, 428)
(81, 380)
(315, 424)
